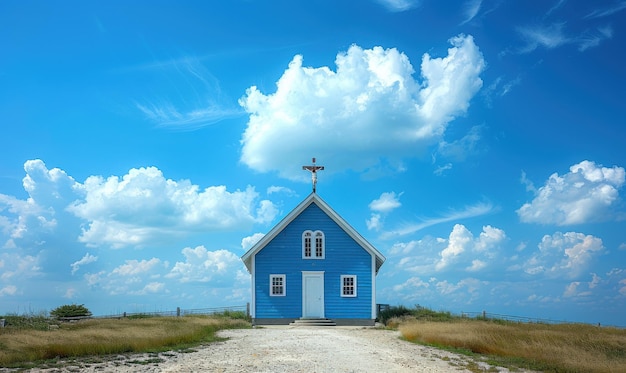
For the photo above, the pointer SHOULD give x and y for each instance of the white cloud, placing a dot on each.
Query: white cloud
(132, 283)
(138, 208)
(387, 202)
(571, 289)
(441, 169)
(151, 288)
(279, 189)
(477, 265)
(399, 5)
(135, 267)
(88, 258)
(248, 242)
(581, 289)
(489, 239)
(564, 254)
(375, 222)
(585, 194)
(411, 284)
(369, 109)
(458, 241)
(461, 250)
(143, 206)
(94, 279)
(49, 192)
(8, 290)
(20, 266)
(202, 265)
(469, 286)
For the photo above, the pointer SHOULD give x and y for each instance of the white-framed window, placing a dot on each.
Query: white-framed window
(313, 245)
(348, 285)
(278, 286)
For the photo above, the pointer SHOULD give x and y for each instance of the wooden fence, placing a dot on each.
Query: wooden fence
(180, 312)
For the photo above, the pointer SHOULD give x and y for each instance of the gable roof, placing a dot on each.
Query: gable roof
(312, 198)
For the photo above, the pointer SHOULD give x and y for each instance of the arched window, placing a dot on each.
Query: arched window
(313, 245)
(306, 244)
(319, 244)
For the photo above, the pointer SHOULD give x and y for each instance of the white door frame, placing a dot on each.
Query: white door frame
(320, 283)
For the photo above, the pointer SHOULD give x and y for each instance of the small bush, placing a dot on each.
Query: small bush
(419, 313)
(70, 310)
(393, 312)
(236, 315)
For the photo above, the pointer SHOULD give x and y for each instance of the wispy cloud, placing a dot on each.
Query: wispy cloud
(549, 37)
(604, 12)
(553, 36)
(478, 209)
(471, 9)
(168, 116)
(399, 5)
(555, 7)
(591, 40)
(199, 100)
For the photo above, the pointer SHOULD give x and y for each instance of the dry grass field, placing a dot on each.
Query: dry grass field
(543, 347)
(24, 346)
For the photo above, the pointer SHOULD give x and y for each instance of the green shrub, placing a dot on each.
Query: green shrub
(423, 313)
(393, 311)
(237, 315)
(23, 322)
(419, 313)
(70, 310)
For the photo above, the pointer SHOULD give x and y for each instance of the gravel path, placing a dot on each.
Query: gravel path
(293, 349)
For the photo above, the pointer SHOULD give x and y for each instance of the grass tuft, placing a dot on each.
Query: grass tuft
(546, 347)
(22, 347)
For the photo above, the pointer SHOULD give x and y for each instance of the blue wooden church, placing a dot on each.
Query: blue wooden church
(313, 266)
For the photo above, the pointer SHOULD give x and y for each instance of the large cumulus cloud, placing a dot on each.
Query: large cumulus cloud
(587, 193)
(370, 108)
(134, 209)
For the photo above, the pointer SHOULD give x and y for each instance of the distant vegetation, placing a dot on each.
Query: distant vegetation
(35, 340)
(417, 313)
(535, 346)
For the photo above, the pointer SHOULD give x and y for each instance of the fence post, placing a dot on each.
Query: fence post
(248, 309)
(177, 311)
(124, 314)
(484, 314)
(2, 321)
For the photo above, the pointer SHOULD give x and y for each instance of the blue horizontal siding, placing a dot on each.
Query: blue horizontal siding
(343, 256)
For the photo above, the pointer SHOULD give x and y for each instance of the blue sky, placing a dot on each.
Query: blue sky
(478, 145)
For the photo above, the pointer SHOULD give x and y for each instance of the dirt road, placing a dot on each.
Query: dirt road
(294, 349)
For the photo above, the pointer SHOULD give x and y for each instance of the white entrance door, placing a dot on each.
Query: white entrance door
(312, 294)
